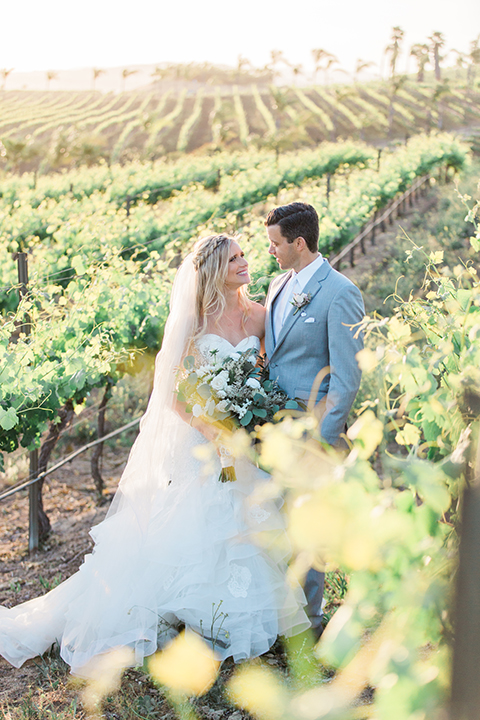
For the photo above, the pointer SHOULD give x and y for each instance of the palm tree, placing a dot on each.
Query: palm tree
(51, 75)
(361, 65)
(96, 72)
(5, 73)
(297, 71)
(460, 62)
(242, 64)
(125, 74)
(474, 57)
(421, 53)
(332, 60)
(276, 57)
(394, 48)
(441, 90)
(318, 55)
(395, 85)
(437, 41)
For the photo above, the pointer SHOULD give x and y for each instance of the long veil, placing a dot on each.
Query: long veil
(149, 466)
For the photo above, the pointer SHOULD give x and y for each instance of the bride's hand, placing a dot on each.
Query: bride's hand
(207, 429)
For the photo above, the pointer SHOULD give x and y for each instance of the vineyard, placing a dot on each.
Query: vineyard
(103, 244)
(55, 130)
(100, 273)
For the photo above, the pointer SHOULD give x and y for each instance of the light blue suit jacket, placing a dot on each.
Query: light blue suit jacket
(315, 338)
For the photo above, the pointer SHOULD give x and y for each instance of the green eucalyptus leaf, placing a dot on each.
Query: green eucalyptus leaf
(189, 362)
(204, 391)
(246, 419)
(259, 412)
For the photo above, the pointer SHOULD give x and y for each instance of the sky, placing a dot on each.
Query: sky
(61, 34)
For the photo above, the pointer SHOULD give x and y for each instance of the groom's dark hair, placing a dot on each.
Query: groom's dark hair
(296, 220)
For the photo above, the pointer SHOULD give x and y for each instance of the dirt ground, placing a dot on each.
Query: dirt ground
(69, 501)
(43, 686)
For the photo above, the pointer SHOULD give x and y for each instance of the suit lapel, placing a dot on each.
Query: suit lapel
(313, 286)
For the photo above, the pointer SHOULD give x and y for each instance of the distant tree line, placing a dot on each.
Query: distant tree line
(428, 55)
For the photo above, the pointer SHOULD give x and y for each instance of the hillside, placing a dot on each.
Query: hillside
(54, 130)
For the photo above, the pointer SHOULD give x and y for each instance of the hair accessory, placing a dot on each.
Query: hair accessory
(204, 252)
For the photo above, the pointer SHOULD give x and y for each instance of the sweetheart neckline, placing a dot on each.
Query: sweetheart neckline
(228, 341)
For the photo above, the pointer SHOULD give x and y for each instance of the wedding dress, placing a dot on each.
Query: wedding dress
(177, 546)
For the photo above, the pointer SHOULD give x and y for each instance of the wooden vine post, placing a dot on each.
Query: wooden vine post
(98, 450)
(329, 178)
(465, 685)
(33, 490)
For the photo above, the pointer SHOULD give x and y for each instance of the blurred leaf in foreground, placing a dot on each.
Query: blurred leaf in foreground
(187, 665)
(106, 669)
(260, 691)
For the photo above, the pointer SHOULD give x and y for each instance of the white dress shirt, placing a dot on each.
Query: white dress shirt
(296, 284)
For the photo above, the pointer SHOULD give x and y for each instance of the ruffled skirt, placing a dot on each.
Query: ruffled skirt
(209, 555)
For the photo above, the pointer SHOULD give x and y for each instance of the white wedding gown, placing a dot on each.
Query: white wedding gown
(212, 557)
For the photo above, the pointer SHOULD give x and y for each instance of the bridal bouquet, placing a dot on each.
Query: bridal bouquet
(232, 392)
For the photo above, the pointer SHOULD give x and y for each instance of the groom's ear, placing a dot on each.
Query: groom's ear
(300, 243)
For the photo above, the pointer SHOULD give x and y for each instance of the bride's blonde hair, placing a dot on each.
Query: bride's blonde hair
(210, 259)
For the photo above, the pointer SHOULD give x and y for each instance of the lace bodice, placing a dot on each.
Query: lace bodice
(223, 347)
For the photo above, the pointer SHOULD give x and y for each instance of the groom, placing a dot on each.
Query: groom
(309, 311)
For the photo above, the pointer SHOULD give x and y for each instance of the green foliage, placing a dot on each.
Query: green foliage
(426, 359)
(79, 336)
(107, 288)
(389, 534)
(68, 230)
(384, 515)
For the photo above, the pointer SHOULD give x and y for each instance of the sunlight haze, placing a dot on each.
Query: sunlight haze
(55, 35)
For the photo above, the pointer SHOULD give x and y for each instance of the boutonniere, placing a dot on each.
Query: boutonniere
(300, 300)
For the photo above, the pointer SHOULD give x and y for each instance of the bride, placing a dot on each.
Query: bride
(177, 546)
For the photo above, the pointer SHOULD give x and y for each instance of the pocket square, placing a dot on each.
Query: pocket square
(310, 319)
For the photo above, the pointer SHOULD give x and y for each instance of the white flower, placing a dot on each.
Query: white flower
(201, 371)
(197, 410)
(220, 381)
(222, 406)
(241, 409)
(300, 300)
(253, 383)
(221, 394)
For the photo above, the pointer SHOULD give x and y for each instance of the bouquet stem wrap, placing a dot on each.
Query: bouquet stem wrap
(227, 462)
